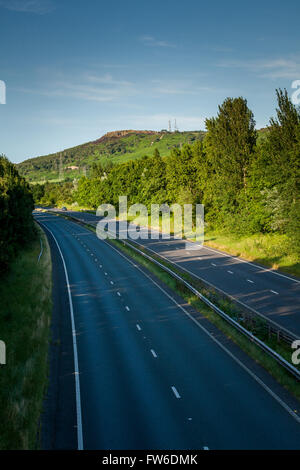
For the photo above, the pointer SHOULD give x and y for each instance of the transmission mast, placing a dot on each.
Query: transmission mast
(170, 128)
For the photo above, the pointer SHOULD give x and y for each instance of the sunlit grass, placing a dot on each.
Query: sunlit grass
(271, 249)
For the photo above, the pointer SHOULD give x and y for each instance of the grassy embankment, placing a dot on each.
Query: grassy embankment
(272, 249)
(25, 313)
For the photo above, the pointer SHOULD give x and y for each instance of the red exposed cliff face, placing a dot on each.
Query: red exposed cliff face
(117, 134)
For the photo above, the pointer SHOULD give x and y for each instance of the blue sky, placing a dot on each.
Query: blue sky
(76, 69)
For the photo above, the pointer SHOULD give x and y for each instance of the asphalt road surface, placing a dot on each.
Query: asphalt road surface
(145, 374)
(265, 291)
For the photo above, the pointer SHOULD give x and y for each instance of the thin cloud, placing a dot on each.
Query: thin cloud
(181, 87)
(153, 42)
(87, 87)
(271, 68)
(39, 7)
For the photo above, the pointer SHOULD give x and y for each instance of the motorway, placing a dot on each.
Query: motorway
(265, 291)
(146, 373)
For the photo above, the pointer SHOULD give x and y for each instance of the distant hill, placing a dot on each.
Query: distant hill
(113, 147)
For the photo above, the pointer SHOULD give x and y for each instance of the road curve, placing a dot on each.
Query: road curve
(149, 377)
(268, 292)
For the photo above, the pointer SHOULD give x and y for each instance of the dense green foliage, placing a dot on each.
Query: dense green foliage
(16, 205)
(248, 185)
(111, 149)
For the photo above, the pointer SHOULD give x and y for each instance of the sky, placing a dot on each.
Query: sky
(76, 69)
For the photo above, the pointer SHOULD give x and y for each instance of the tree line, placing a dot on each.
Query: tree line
(16, 205)
(247, 184)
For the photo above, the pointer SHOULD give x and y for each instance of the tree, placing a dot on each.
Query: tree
(16, 205)
(229, 146)
(152, 188)
(278, 166)
(230, 141)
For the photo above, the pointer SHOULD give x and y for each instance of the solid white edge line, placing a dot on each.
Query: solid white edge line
(77, 381)
(41, 252)
(252, 374)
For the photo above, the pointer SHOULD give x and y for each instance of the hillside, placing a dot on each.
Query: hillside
(113, 147)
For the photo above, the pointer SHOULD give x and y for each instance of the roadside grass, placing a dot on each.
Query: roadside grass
(25, 313)
(282, 376)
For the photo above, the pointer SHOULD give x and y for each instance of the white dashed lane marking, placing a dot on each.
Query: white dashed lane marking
(249, 280)
(274, 292)
(127, 308)
(153, 353)
(138, 327)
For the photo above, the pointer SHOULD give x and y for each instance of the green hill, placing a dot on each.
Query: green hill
(113, 147)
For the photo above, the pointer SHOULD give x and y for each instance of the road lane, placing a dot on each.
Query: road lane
(127, 394)
(272, 294)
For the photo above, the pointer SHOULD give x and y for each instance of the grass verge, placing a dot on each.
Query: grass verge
(25, 314)
(272, 250)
